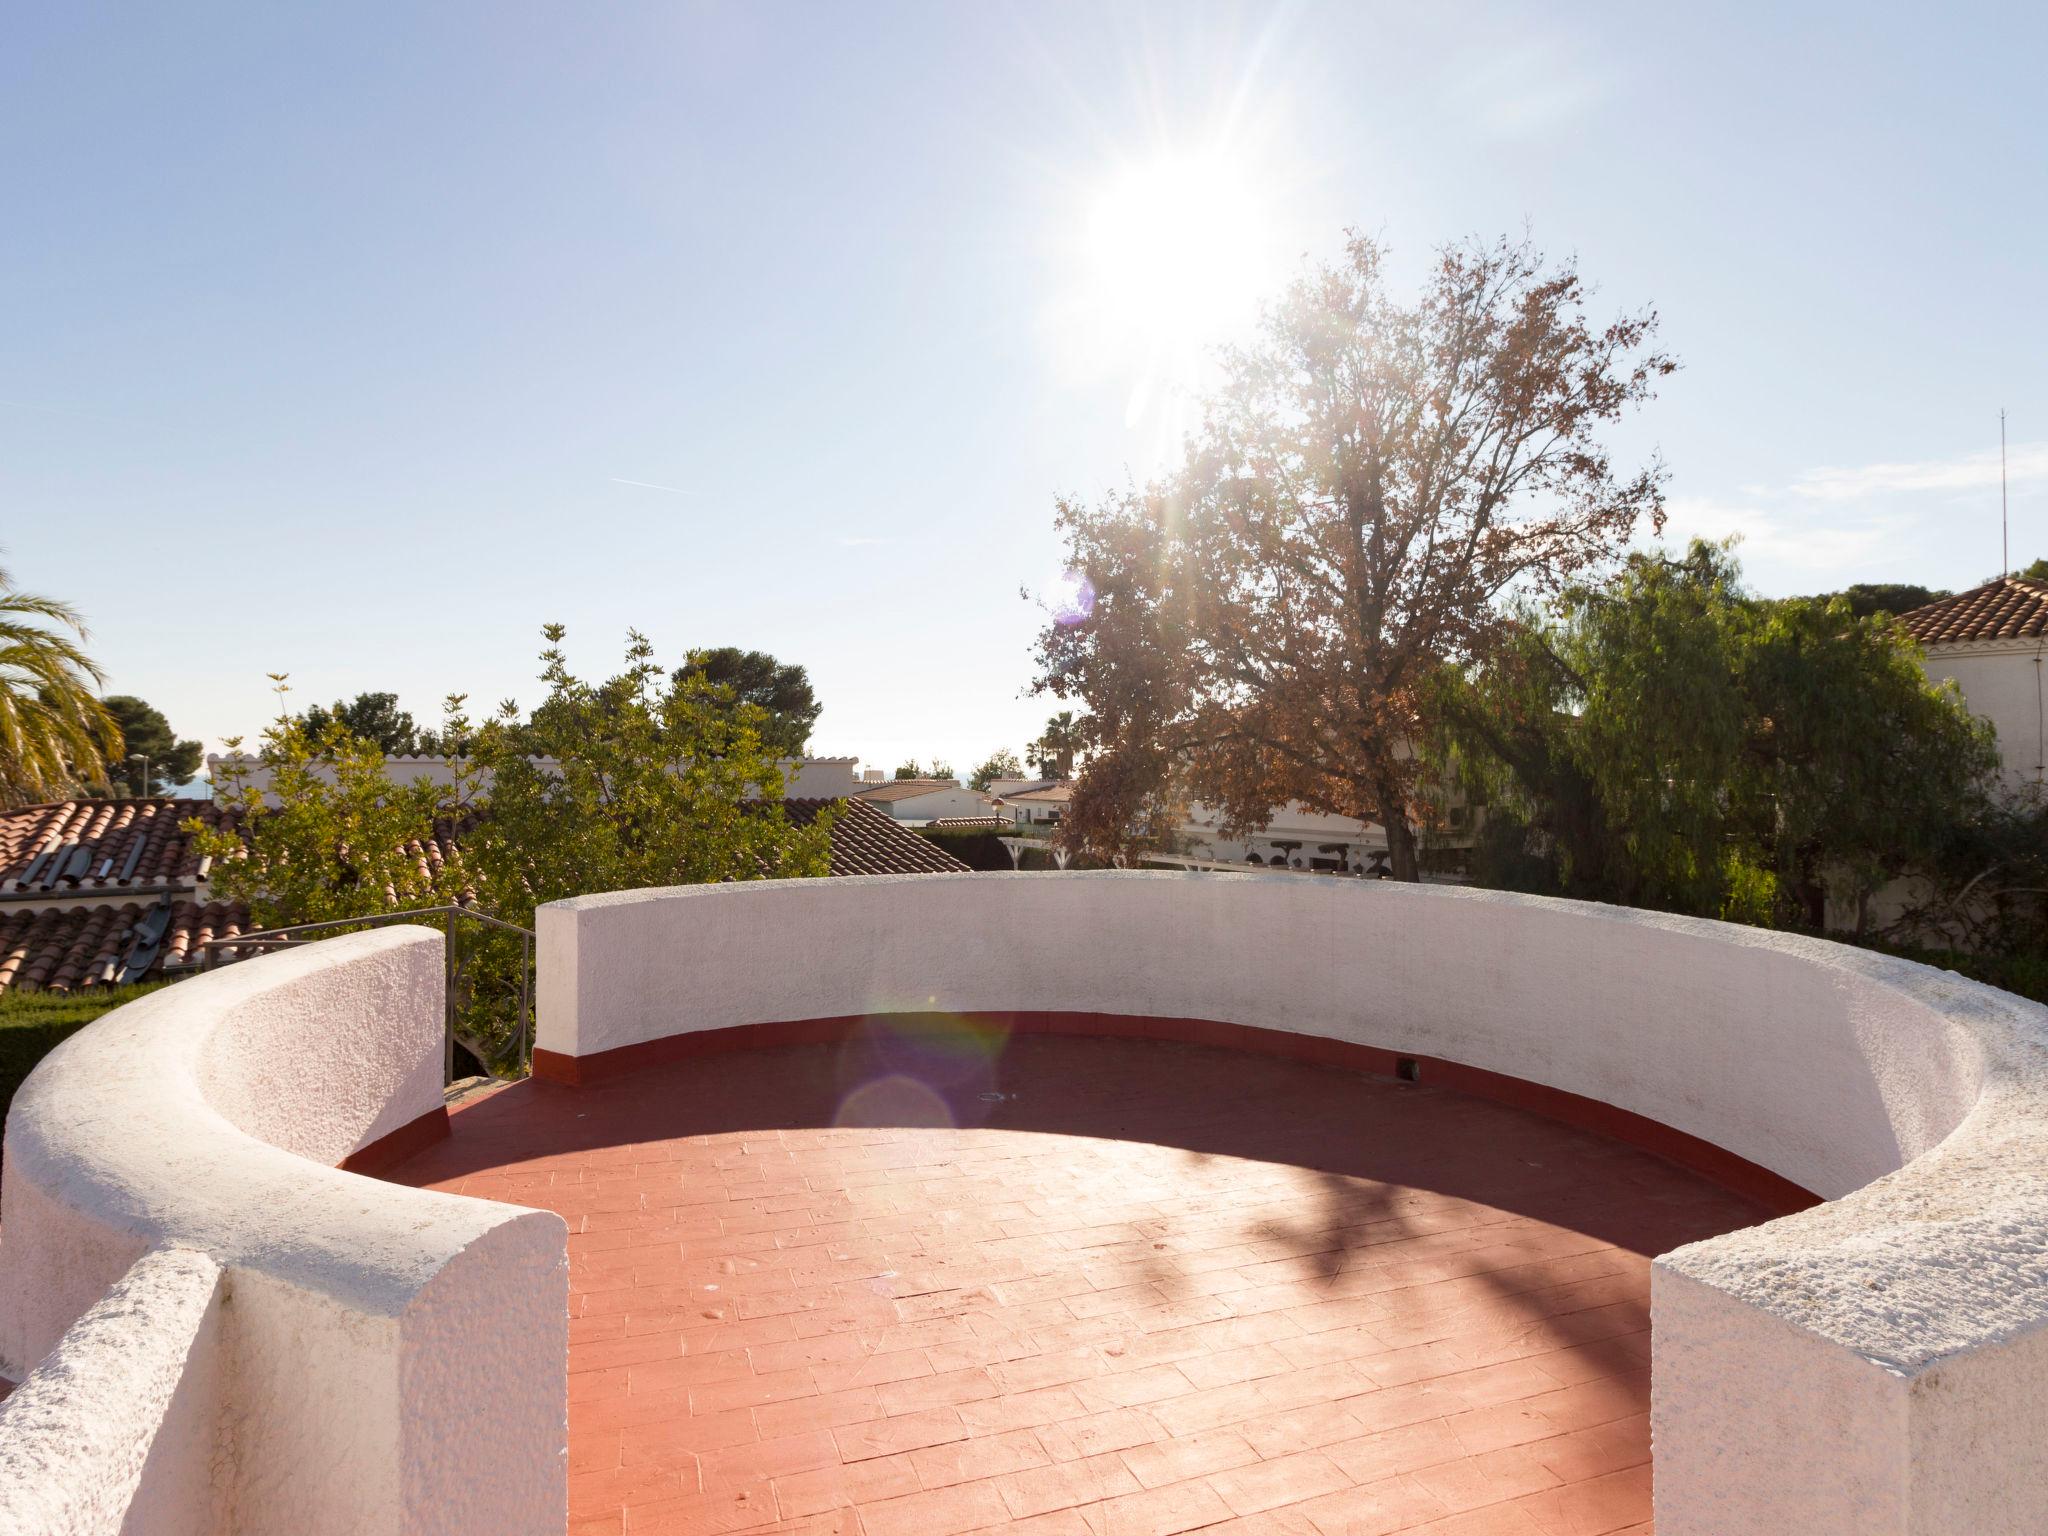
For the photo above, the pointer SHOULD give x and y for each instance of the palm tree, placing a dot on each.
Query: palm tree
(54, 732)
(1054, 751)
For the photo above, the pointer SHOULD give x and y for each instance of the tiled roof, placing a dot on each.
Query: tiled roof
(57, 948)
(2009, 609)
(866, 841)
(74, 948)
(967, 823)
(904, 789)
(100, 845)
(1003, 789)
(1059, 792)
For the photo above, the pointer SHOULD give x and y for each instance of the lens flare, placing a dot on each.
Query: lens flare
(909, 1066)
(895, 1100)
(939, 1048)
(1071, 599)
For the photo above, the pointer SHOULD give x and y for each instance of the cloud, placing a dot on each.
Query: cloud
(1856, 523)
(649, 485)
(1966, 472)
(1789, 538)
(861, 541)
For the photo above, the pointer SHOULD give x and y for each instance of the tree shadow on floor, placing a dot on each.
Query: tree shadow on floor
(1375, 1188)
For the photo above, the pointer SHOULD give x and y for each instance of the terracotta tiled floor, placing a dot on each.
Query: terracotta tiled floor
(1152, 1288)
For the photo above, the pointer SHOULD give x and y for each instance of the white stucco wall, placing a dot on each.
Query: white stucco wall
(2007, 683)
(1908, 1316)
(392, 1360)
(119, 1426)
(956, 800)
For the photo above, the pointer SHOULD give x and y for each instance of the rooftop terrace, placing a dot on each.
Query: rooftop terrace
(1147, 1286)
(1064, 1203)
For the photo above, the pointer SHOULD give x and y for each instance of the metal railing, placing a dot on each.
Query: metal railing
(452, 953)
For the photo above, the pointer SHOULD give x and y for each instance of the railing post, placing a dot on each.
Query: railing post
(525, 994)
(448, 997)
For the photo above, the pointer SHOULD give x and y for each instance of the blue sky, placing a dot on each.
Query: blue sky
(356, 343)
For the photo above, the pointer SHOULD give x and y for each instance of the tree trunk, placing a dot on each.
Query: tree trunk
(1401, 851)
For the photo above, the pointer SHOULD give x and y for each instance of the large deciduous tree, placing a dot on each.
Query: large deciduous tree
(1371, 479)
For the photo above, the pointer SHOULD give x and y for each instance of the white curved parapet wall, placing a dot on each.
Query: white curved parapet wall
(380, 1359)
(1874, 1365)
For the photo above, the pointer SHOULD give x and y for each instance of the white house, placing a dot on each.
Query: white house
(1033, 802)
(1295, 838)
(1002, 789)
(918, 801)
(1992, 641)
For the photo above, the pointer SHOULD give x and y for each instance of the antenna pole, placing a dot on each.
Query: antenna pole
(2004, 534)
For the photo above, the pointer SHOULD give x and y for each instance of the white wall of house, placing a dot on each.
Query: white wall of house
(2006, 682)
(1291, 823)
(952, 800)
(1027, 812)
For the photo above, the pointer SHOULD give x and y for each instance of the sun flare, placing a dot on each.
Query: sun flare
(1178, 250)
(1171, 256)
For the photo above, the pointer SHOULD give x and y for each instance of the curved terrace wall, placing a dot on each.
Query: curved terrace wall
(1873, 1364)
(377, 1358)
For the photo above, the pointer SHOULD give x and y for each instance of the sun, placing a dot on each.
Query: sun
(1178, 248)
(1171, 256)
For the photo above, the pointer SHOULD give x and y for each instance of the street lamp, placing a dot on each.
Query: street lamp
(142, 758)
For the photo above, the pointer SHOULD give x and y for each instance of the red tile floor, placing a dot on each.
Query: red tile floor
(1150, 1288)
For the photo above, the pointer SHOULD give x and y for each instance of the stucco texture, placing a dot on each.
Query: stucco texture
(392, 1360)
(124, 1414)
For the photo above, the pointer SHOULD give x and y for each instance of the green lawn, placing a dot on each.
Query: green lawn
(32, 1024)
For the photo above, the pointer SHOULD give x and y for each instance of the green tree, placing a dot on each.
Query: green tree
(1894, 597)
(756, 680)
(333, 837)
(55, 734)
(2038, 571)
(911, 768)
(146, 733)
(1054, 751)
(1671, 741)
(376, 718)
(633, 782)
(1983, 908)
(636, 781)
(1000, 764)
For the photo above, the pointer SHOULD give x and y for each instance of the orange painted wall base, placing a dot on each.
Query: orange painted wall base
(393, 1148)
(1702, 1157)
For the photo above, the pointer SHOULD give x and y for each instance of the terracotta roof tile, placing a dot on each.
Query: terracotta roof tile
(67, 948)
(904, 789)
(100, 845)
(2008, 609)
(73, 949)
(1059, 792)
(866, 841)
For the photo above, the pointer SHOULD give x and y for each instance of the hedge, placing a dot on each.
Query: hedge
(33, 1024)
